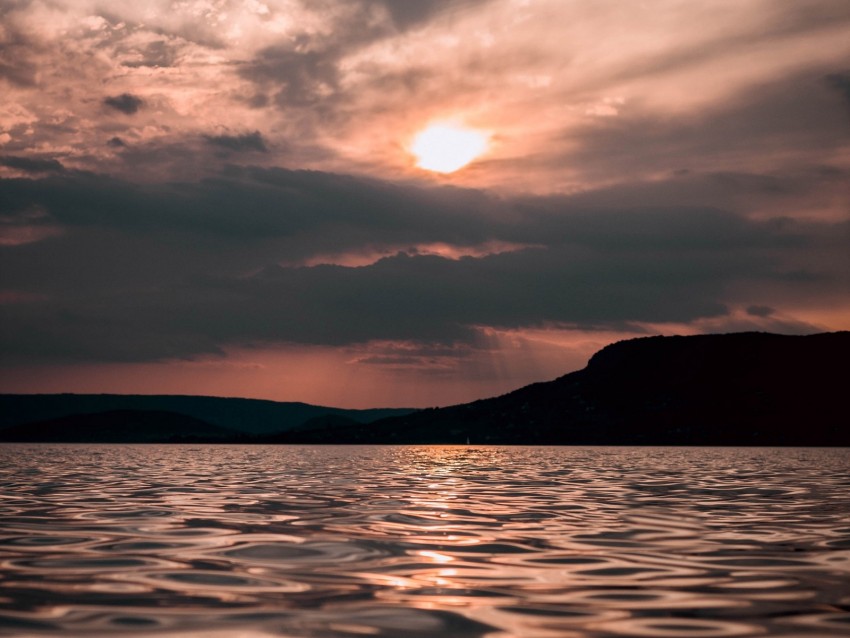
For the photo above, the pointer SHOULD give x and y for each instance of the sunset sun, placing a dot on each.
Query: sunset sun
(445, 148)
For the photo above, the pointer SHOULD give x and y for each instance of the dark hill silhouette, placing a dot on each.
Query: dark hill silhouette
(325, 422)
(121, 426)
(251, 416)
(733, 389)
(329, 423)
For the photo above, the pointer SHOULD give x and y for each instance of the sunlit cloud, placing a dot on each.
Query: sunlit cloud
(341, 87)
(439, 249)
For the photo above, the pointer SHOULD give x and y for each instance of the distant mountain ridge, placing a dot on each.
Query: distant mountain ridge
(250, 416)
(730, 389)
(122, 426)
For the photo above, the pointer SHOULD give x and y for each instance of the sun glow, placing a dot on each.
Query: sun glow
(445, 148)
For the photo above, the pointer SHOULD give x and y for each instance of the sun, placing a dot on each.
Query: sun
(445, 148)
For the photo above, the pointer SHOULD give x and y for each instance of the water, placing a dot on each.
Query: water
(412, 541)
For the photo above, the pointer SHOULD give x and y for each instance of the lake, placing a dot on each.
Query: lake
(412, 541)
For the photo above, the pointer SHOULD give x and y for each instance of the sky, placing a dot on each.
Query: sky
(221, 196)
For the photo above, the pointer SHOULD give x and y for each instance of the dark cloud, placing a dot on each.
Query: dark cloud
(32, 164)
(258, 101)
(406, 13)
(126, 103)
(398, 298)
(841, 83)
(410, 13)
(17, 50)
(116, 142)
(797, 112)
(262, 203)
(305, 73)
(297, 78)
(760, 311)
(245, 142)
(144, 272)
(302, 77)
(20, 73)
(154, 54)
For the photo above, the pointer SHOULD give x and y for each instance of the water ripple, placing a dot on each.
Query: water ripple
(298, 541)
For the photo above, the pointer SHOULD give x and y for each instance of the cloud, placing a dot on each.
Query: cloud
(760, 311)
(154, 54)
(17, 50)
(24, 226)
(691, 177)
(407, 14)
(126, 103)
(20, 73)
(747, 321)
(158, 271)
(343, 86)
(245, 142)
(795, 112)
(841, 83)
(32, 164)
(298, 207)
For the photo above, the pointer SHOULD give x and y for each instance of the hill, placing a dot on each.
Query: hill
(732, 389)
(250, 416)
(121, 426)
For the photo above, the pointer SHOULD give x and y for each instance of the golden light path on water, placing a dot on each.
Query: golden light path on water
(466, 541)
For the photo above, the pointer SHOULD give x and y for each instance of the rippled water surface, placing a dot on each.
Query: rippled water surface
(251, 541)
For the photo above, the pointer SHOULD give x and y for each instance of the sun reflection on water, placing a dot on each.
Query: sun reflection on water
(422, 541)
